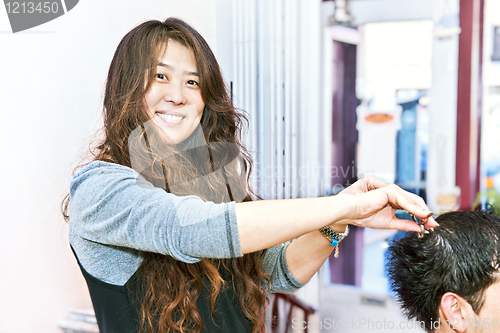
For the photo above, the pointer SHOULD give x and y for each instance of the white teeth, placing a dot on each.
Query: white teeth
(169, 116)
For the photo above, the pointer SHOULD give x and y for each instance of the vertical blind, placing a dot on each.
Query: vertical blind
(279, 83)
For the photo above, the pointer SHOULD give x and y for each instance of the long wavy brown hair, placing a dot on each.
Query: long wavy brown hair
(170, 287)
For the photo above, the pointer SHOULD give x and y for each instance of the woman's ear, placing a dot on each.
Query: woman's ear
(456, 312)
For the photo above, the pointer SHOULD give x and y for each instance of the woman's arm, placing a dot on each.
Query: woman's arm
(110, 206)
(369, 202)
(262, 224)
(305, 255)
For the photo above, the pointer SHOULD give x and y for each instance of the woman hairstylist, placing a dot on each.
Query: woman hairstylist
(162, 220)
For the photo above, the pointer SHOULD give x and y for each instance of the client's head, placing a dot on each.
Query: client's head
(449, 279)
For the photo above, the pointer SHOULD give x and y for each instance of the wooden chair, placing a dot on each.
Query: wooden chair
(291, 301)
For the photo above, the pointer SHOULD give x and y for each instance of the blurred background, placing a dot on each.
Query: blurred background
(408, 90)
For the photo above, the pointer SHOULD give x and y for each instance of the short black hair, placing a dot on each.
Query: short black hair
(459, 256)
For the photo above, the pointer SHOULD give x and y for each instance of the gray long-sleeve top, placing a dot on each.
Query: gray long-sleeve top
(116, 216)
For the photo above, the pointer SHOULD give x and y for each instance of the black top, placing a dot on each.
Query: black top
(117, 308)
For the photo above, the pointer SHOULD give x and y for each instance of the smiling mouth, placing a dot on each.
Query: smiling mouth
(170, 119)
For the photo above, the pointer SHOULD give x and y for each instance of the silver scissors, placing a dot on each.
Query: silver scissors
(421, 224)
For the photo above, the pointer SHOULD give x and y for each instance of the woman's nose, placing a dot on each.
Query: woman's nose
(174, 93)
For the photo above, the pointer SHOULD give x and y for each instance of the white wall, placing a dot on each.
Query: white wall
(491, 70)
(490, 149)
(366, 11)
(52, 78)
(441, 155)
(398, 55)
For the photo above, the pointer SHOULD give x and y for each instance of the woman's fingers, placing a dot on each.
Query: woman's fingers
(405, 225)
(371, 183)
(376, 203)
(412, 203)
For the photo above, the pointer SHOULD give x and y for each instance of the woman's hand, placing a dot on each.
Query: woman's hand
(370, 202)
(376, 203)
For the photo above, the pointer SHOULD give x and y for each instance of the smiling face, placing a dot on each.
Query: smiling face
(174, 98)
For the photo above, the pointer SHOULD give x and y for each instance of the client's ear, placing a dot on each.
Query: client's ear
(456, 311)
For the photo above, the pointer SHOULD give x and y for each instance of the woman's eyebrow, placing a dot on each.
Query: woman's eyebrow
(172, 68)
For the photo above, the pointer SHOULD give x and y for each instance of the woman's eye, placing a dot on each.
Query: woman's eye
(161, 76)
(192, 82)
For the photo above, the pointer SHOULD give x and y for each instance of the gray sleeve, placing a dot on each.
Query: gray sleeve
(282, 280)
(109, 207)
